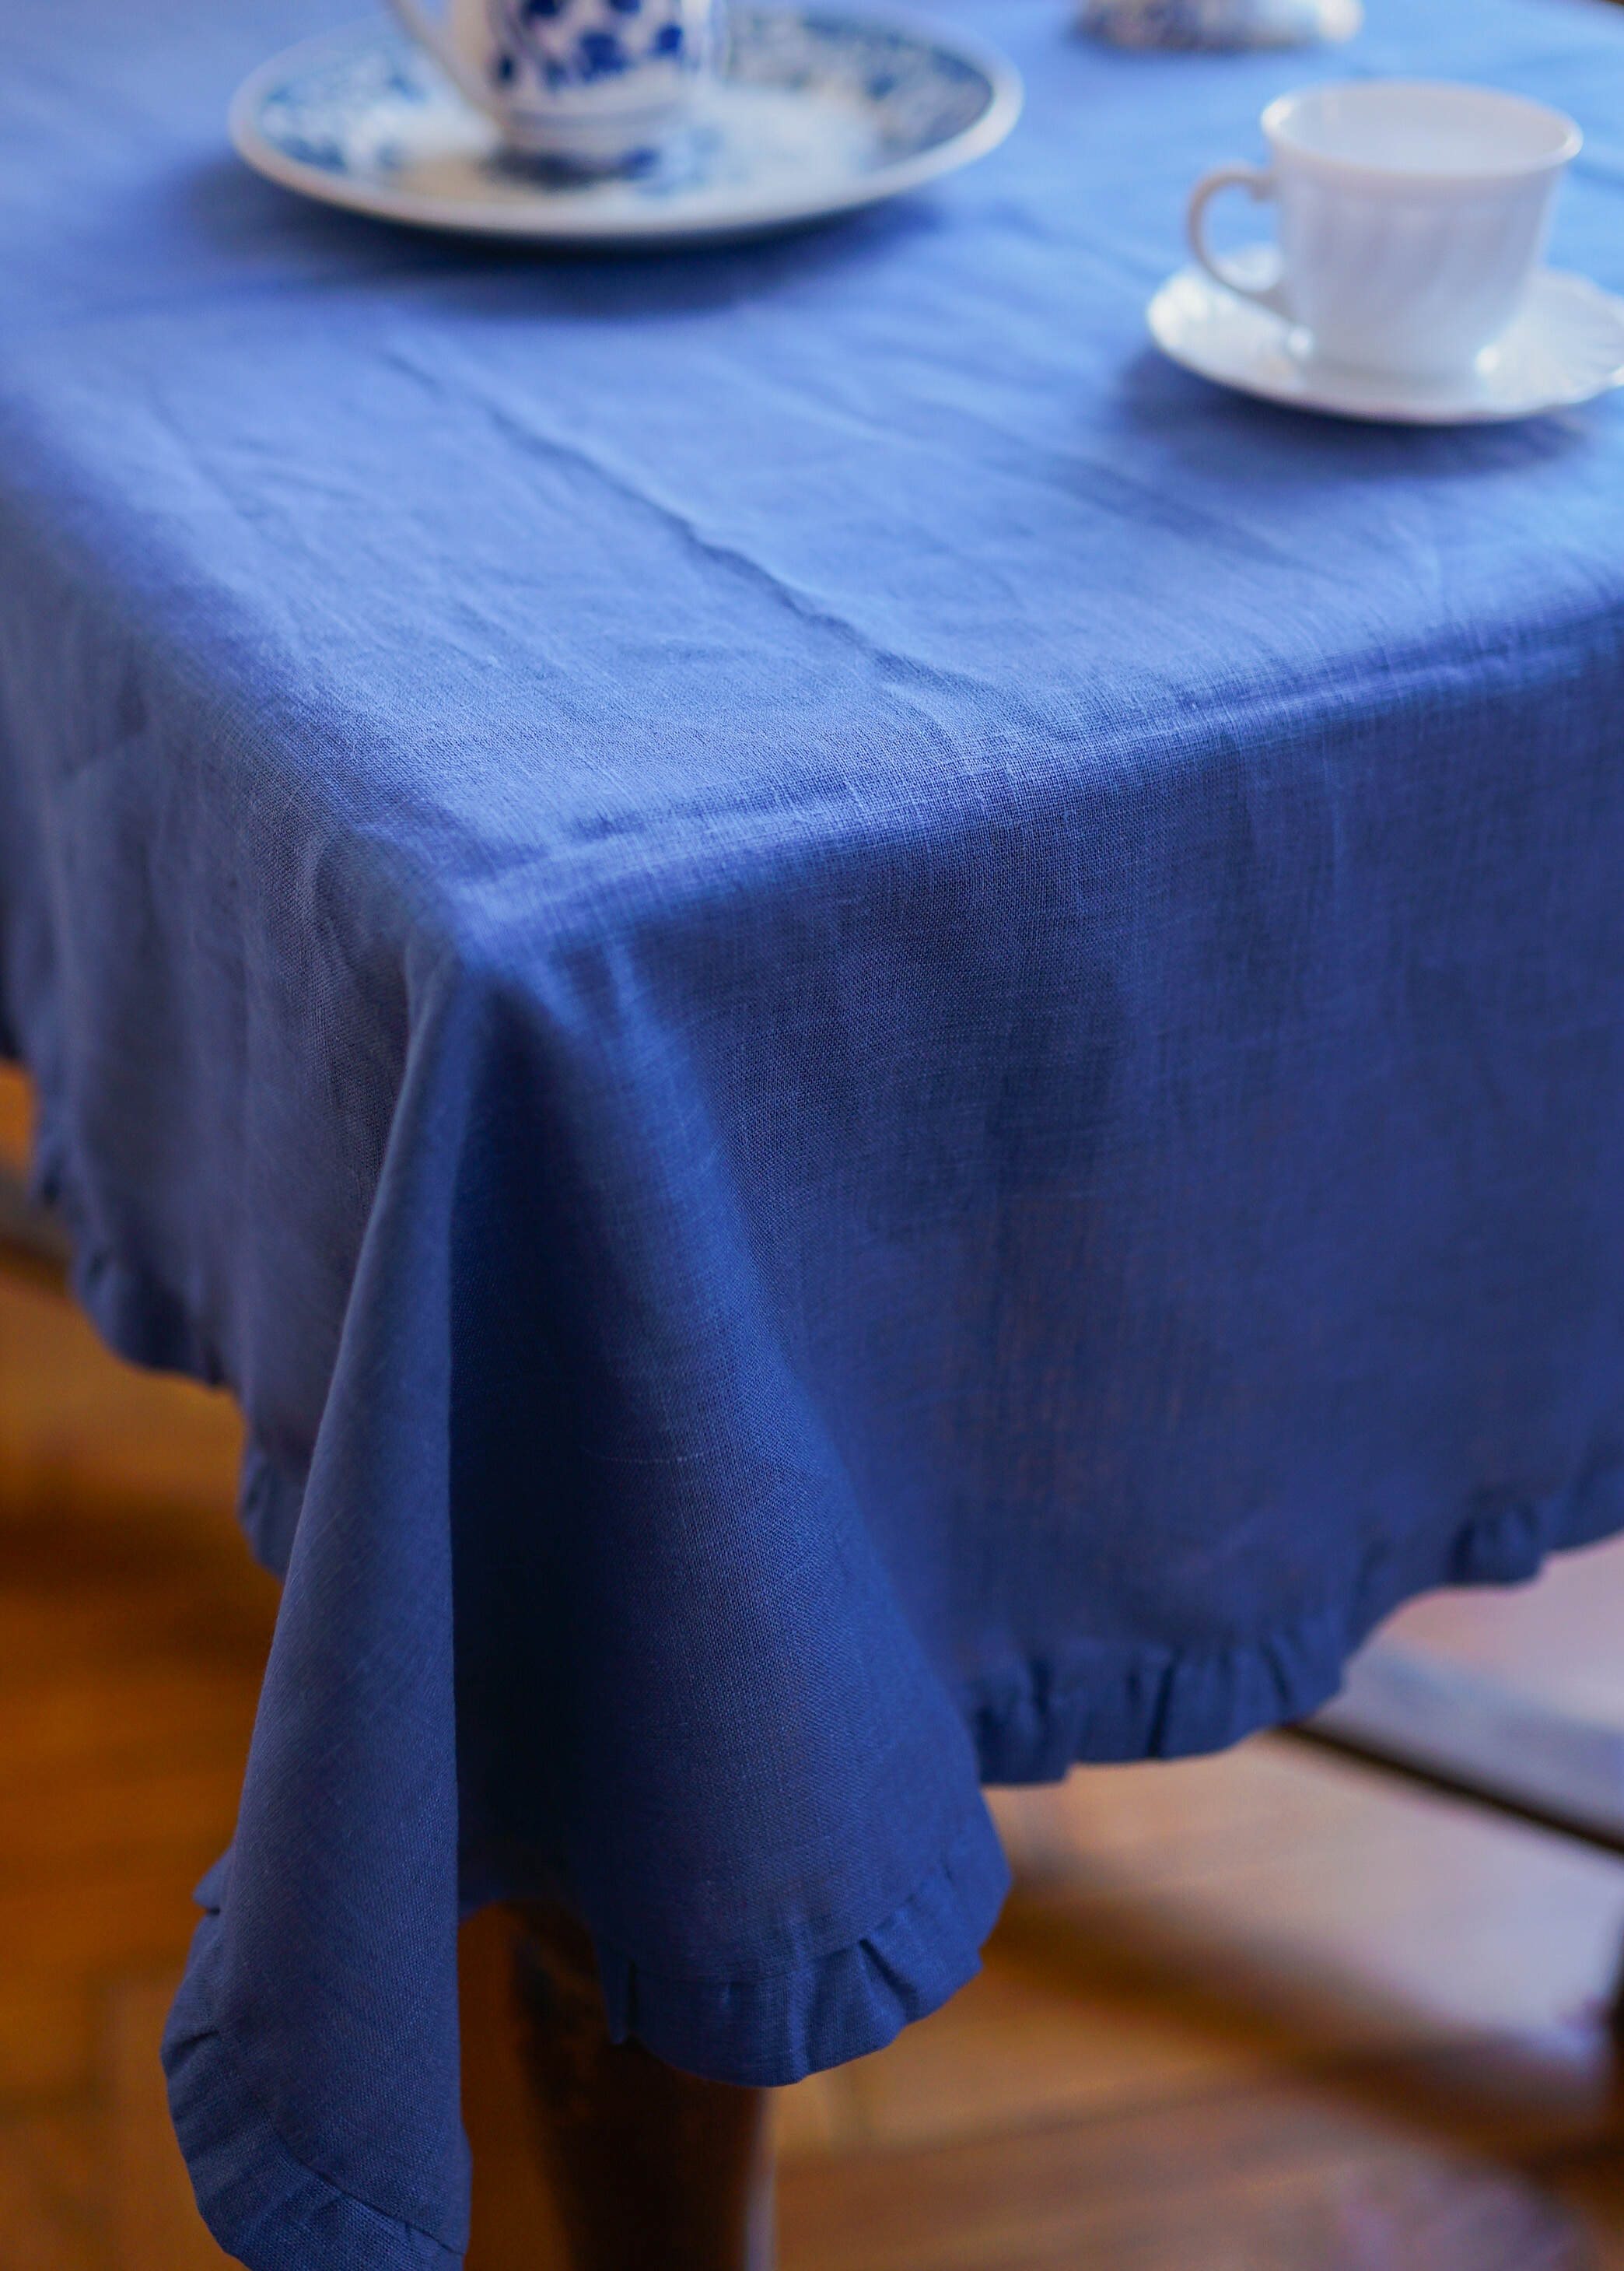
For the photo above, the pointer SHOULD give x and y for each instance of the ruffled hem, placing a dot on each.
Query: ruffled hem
(148, 1325)
(1113, 1704)
(270, 1499)
(271, 2212)
(768, 2031)
(263, 2205)
(275, 2213)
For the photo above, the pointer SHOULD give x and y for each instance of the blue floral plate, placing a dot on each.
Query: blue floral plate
(816, 113)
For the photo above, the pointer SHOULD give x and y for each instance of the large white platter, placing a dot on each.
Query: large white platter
(817, 112)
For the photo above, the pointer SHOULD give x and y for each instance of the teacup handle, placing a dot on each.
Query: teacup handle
(1258, 183)
(430, 33)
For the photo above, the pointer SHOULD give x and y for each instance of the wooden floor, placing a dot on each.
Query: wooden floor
(1262, 2013)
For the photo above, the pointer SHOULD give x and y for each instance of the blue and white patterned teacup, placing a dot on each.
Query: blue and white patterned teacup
(589, 83)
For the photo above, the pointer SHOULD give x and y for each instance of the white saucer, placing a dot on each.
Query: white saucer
(817, 112)
(1565, 347)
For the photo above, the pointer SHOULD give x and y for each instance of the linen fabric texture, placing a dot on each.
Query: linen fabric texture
(884, 1047)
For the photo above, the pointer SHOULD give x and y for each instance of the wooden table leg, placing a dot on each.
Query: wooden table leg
(653, 2170)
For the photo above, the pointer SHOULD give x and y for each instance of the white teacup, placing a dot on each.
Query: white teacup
(589, 83)
(1413, 214)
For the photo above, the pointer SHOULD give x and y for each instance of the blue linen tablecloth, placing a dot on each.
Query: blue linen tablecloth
(885, 1047)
